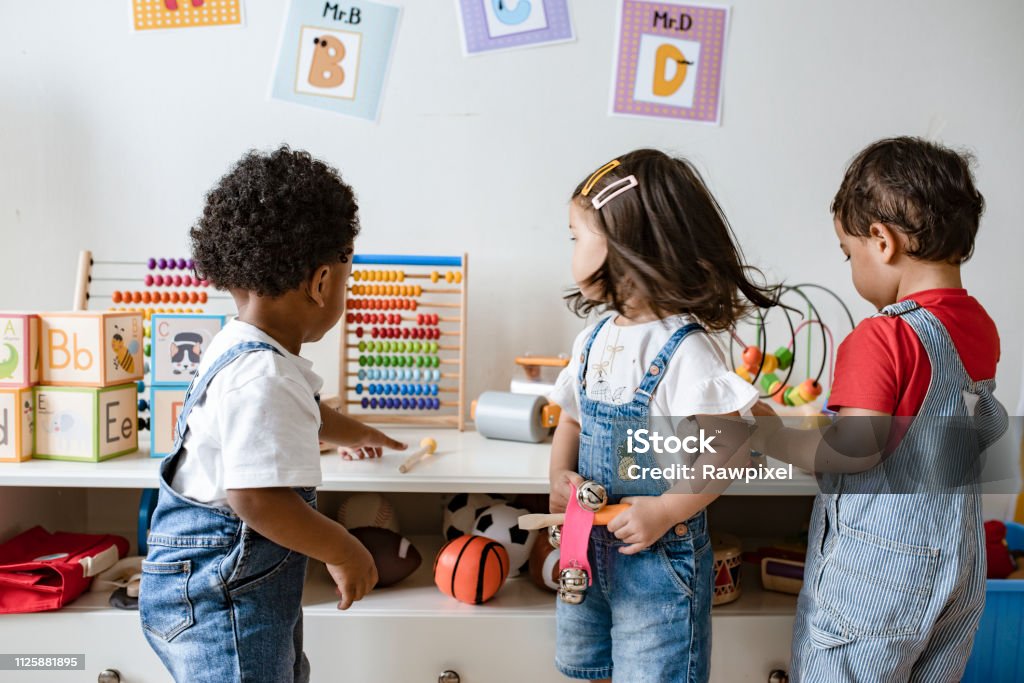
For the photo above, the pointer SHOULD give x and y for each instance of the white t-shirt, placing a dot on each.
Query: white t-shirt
(697, 380)
(257, 426)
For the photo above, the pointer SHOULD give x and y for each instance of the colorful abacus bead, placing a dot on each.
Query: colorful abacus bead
(780, 395)
(752, 358)
(151, 263)
(809, 390)
(791, 397)
(770, 384)
(785, 357)
(770, 363)
(744, 373)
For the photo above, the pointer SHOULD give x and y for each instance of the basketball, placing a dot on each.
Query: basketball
(544, 565)
(471, 569)
(367, 509)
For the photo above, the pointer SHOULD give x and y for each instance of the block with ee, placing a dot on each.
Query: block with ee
(85, 423)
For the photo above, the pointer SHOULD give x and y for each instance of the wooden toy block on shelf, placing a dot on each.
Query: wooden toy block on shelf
(403, 340)
(17, 422)
(178, 342)
(91, 349)
(85, 423)
(165, 406)
(19, 349)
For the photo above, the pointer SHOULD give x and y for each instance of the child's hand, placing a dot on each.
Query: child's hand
(646, 520)
(560, 481)
(767, 423)
(355, 576)
(369, 444)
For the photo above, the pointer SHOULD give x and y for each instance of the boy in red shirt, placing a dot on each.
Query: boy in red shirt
(894, 583)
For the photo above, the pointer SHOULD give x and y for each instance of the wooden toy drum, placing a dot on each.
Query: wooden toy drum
(728, 560)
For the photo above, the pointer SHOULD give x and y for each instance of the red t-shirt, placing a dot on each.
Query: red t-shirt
(883, 366)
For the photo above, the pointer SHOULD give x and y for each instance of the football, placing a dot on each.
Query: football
(394, 556)
(544, 565)
(500, 522)
(461, 512)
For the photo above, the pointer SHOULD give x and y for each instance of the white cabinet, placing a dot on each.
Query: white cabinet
(404, 634)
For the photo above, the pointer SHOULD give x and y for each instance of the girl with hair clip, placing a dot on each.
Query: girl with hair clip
(653, 248)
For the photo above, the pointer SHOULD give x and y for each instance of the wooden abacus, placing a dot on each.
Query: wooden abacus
(403, 341)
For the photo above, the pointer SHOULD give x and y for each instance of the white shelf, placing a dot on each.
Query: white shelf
(464, 462)
(417, 596)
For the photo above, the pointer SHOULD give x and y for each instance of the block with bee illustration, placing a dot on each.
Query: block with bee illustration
(178, 344)
(19, 349)
(91, 348)
(17, 424)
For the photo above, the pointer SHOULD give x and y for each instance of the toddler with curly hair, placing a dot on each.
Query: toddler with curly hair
(221, 591)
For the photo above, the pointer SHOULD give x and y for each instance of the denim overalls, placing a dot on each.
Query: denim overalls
(646, 617)
(219, 602)
(894, 583)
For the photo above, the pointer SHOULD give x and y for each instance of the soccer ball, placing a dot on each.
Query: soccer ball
(501, 523)
(461, 512)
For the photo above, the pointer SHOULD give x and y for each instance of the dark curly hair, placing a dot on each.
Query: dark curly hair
(272, 220)
(669, 244)
(921, 189)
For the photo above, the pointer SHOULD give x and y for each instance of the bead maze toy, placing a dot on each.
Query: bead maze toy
(762, 369)
(403, 340)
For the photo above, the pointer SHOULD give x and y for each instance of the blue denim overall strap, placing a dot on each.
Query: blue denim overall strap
(657, 601)
(218, 601)
(895, 577)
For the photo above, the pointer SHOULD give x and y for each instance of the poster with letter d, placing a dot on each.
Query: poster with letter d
(335, 55)
(669, 60)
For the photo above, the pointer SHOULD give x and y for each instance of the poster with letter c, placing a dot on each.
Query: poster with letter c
(336, 55)
(669, 60)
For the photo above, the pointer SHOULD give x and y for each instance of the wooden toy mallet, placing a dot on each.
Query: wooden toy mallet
(541, 521)
(426, 449)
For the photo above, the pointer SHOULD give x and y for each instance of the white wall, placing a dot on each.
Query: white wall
(109, 140)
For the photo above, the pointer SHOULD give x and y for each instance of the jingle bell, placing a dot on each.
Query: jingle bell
(573, 580)
(571, 598)
(591, 496)
(555, 535)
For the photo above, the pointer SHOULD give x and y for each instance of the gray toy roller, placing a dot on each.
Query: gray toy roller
(514, 417)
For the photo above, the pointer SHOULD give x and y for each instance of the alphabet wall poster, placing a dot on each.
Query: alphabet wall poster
(669, 59)
(335, 55)
(491, 25)
(149, 15)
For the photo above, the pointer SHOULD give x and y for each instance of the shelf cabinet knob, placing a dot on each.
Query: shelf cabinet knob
(109, 676)
(449, 676)
(778, 676)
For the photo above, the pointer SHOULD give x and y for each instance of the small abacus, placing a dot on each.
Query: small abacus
(402, 359)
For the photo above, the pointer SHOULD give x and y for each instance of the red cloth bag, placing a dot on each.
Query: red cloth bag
(41, 571)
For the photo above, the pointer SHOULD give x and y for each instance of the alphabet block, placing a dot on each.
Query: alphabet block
(17, 423)
(19, 349)
(178, 345)
(165, 406)
(91, 349)
(85, 423)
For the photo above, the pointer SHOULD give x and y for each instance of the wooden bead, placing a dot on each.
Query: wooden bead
(744, 373)
(809, 390)
(785, 357)
(770, 363)
(752, 358)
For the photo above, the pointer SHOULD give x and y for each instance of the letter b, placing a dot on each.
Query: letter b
(326, 71)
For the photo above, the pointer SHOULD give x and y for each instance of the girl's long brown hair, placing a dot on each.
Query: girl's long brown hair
(669, 245)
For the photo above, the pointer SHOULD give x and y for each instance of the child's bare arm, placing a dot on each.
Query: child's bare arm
(346, 431)
(281, 516)
(854, 442)
(565, 453)
(649, 517)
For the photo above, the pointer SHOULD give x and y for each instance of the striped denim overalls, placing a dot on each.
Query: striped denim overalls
(646, 617)
(220, 603)
(894, 584)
